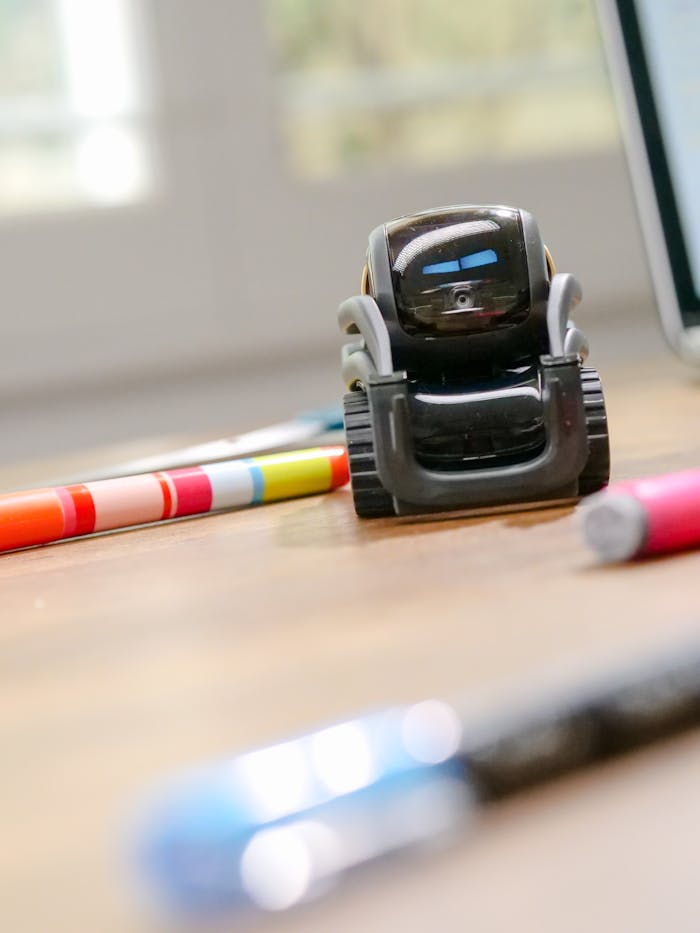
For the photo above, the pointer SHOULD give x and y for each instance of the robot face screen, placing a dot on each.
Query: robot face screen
(459, 271)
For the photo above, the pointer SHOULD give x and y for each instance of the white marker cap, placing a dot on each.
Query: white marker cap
(614, 525)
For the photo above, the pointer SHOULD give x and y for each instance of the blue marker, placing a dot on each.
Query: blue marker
(271, 828)
(307, 428)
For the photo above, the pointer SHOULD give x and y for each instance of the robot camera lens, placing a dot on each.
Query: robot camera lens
(460, 297)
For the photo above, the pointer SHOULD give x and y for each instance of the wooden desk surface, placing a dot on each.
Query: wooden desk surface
(133, 655)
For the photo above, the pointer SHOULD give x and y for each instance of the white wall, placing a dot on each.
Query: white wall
(233, 259)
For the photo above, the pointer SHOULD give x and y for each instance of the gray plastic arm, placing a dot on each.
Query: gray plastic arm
(575, 341)
(559, 464)
(564, 294)
(360, 315)
(357, 367)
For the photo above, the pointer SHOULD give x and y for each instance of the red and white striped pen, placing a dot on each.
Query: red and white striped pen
(40, 516)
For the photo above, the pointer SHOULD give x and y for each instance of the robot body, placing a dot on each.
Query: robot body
(467, 388)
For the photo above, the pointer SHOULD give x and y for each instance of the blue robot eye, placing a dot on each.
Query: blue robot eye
(483, 258)
(439, 267)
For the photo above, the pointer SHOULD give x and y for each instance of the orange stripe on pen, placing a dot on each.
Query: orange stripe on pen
(34, 517)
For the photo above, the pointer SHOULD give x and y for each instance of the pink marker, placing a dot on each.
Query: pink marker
(645, 516)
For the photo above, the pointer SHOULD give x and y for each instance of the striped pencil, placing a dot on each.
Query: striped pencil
(40, 516)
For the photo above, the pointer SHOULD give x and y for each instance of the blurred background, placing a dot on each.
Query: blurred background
(186, 191)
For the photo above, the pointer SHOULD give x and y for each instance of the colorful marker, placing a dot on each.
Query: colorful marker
(641, 517)
(40, 516)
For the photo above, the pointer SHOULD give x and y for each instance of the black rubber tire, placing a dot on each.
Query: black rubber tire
(596, 473)
(370, 497)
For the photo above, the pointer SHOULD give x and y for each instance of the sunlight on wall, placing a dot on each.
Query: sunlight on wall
(396, 83)
(73, 103)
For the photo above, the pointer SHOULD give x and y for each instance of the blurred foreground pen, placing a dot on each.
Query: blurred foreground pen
(274, 827)
(40, 516)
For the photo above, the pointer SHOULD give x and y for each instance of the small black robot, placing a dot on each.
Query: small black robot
(467, 389)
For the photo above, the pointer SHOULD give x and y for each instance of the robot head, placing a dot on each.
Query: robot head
(459, 271)
(462, 285)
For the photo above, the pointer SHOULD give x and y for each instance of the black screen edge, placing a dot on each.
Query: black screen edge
(688, 299)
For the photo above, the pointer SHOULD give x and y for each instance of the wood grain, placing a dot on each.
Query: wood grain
(132, 655)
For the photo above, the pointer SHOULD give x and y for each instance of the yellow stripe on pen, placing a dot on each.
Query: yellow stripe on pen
(300, 473)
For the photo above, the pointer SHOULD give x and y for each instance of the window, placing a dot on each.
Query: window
(412, 82)
(72, 105)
